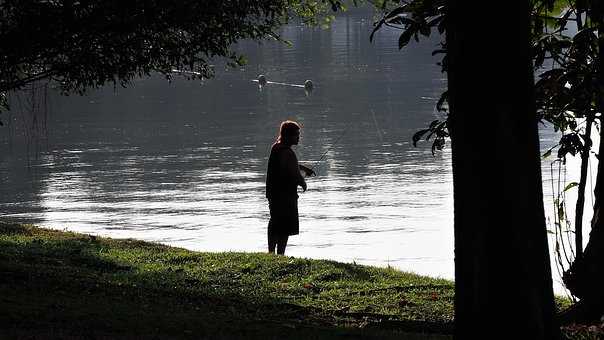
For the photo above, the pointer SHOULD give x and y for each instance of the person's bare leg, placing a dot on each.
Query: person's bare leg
(272, 241)
(281, 244)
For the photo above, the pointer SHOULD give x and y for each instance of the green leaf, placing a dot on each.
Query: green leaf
(425, 30)
(441, 26)
(570, 186)
(439, 144)
(436, 20)
(434, 123)
(396, 16)
(418, 135)
(403, 40)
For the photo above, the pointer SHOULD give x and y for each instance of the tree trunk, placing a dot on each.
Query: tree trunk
(585, 276)
(580, 206)
(502, 267)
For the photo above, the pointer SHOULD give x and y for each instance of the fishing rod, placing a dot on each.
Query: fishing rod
(328, 149)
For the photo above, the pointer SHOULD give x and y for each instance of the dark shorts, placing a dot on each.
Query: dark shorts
(284, 216)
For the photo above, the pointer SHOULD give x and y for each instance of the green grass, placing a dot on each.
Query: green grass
(63, 285)
(67, 285)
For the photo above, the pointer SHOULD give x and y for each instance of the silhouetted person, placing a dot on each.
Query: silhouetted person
(282, 180)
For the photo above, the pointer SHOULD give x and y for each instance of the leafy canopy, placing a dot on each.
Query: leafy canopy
(84, 44)
(566, 64)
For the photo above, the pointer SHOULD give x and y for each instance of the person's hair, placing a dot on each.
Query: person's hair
(287, 129)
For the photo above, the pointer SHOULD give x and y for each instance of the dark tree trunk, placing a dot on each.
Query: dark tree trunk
(580, 206)
(585, 276)
(502, 267)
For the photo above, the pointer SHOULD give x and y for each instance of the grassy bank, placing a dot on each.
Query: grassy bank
(67, 285)
(72, 286)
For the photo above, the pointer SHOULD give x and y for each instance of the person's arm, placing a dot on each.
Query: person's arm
(293, 169)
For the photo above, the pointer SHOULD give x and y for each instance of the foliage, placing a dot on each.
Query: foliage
(318, 12)
(86, 44)
(418, 18)
(567, 92)
(564, 91)
(438, 129)
(583, 332)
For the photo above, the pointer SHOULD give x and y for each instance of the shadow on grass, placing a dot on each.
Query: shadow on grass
(70, 287)
(352, 271)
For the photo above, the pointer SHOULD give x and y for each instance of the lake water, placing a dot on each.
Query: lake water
(183, 163)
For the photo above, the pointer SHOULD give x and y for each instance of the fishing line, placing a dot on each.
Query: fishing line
(331, 146)
(340, 137)
(377, 128)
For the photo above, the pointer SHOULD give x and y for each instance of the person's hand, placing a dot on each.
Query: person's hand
(308, 172)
